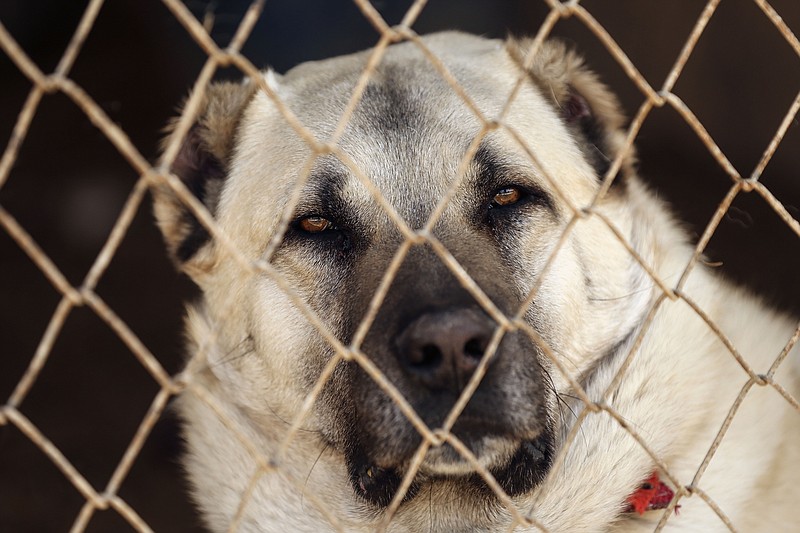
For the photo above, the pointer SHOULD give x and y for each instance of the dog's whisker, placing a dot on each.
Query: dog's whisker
(430, 507)
(308, 476)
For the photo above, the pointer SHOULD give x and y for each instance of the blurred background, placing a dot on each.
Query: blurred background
(69, 184)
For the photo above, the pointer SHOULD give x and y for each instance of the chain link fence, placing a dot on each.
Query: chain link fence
(85, 295)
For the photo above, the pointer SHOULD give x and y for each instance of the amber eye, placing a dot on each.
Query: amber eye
(315, 224)
(506, 196)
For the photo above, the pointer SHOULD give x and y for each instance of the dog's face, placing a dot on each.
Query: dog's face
(411, 135)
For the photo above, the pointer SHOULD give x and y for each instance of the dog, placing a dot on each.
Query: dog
(288, 430)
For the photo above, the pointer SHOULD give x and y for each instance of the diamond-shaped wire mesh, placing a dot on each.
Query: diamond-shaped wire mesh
(85, 294)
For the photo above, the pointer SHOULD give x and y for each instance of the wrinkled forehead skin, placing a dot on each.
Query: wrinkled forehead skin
(409, 119)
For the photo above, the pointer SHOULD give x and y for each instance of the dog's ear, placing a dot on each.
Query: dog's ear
(586, 105)
(202, 165)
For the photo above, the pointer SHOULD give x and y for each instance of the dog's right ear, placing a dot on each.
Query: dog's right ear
(202, 164)
(589, 109)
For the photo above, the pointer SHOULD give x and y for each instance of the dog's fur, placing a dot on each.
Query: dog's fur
(257, 356)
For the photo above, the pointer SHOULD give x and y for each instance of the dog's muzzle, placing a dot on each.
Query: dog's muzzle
(436, 355)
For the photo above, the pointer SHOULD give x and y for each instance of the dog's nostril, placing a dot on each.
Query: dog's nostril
(430, 357)
(474, 348)
(441, 350)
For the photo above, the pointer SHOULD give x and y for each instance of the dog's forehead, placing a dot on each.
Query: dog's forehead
(409, 120)
(456, 51)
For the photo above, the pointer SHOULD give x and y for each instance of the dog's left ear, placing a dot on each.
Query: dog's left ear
(586, 105)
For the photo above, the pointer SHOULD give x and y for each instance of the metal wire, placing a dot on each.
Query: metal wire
(12, 412)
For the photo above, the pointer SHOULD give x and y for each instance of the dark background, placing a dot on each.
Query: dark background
(69, 184)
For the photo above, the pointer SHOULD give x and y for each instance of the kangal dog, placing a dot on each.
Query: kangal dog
(585, 308)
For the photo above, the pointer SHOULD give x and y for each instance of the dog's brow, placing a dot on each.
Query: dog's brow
(328, 169)
(488, 163)
(494, 171)
(323, 189)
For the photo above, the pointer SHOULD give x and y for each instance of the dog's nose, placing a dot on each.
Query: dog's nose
(441, 350)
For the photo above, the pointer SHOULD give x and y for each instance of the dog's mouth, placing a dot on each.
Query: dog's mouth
(518, 471)
(506, 424)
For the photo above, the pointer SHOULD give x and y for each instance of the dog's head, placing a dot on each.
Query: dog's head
(511, 224)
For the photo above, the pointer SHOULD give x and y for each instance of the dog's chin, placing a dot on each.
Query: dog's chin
(517, 466)
(489, 452)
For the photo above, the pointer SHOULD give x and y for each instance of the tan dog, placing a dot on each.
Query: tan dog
(257, 354)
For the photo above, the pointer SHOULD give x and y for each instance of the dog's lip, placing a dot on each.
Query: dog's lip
(491, 442)
(476, 427)
(493, 452)
(489, 451)
(520, 471)
(528, 466)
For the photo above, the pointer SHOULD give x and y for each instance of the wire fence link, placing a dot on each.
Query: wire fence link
(13, 412)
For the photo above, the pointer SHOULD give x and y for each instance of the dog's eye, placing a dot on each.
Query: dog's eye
(506, 196)
(323, 233)
(315, 224)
